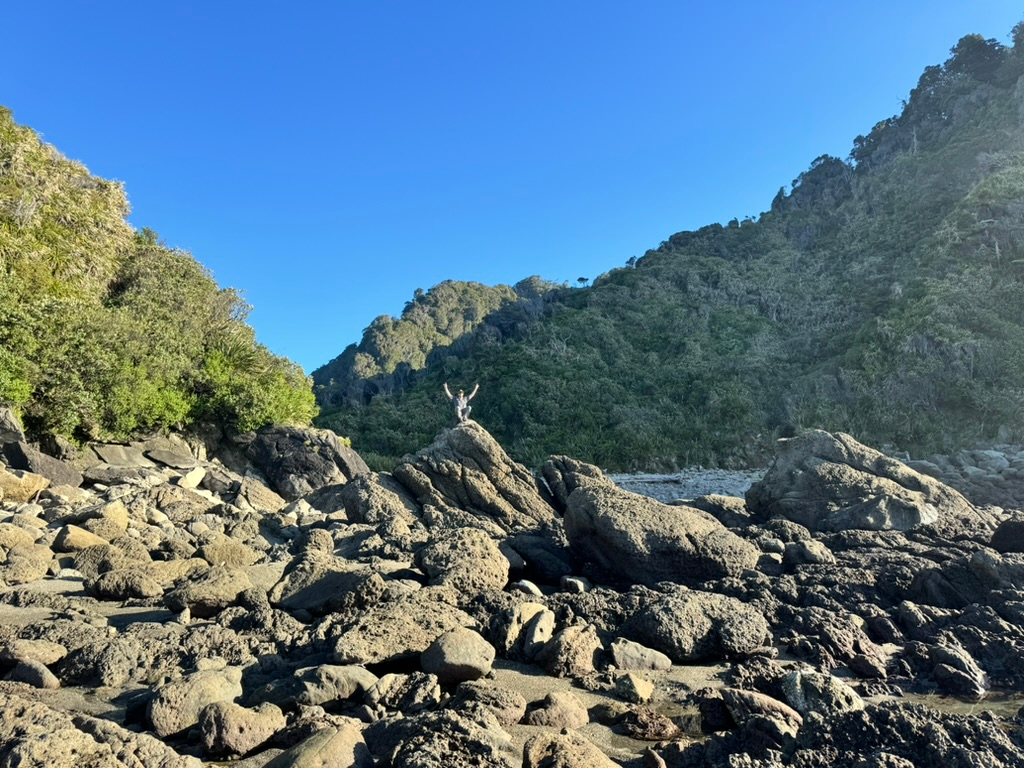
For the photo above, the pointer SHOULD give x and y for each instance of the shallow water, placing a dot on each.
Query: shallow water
(1004, 704)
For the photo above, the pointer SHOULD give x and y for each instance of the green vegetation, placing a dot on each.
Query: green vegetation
(883, 296)
(105, 332)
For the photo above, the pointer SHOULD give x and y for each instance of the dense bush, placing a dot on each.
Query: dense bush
(104, 331)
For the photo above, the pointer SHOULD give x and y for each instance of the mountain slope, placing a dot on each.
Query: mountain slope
(104, 331)
(883, 296)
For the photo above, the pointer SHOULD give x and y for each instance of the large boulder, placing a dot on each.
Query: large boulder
(19, 486)
(299, 460)
(177, 705)
(466, 469)
(830, 482)
(446, 738)
(695, 626)
(342, 746)
(564, 474)
(912, 735)
(458, 656)
(376, 498)
(21, 455)
(320, 583)
(639, 540)
(227, 728)
(33, 734)
(399, 629)
(466, 559)
(563, 750)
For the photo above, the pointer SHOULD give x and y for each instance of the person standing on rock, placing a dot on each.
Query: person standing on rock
(461, 402)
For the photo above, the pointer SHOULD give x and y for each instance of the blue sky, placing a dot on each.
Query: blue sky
(328, 158)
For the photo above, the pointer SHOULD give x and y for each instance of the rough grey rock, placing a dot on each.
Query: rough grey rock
(809, 691)
(15, 536)
(176, 706)
(21, 455)
(327, 747)
(642, 541)
(506, 704)
(375, 498)
(560, 709)
(830, 482)
(466, 559)
(730, 511)
(633, 687)
(18, 486)
(398, 629)
(569, 750)
(25, 562)
(921, 736)
(572, 652)
(299, 460)
(470, 736)
(564, 475)
(695, 626)
(228, 729)
(628, 655)
(219, 549)
(181, 505)
(33, 734)
(458, 656)
(466, 469)
(405, 693)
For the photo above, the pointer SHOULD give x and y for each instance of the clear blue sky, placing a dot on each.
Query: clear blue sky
(329, 158)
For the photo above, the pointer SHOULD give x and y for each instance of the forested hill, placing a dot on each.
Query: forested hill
(882, 295)
(104, 331)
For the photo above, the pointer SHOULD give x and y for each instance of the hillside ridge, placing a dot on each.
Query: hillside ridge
(879, 295)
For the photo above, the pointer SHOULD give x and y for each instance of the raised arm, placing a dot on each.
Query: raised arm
(473, 393)
(447, 391)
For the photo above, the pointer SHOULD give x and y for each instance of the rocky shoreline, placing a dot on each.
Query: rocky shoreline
(267, 601)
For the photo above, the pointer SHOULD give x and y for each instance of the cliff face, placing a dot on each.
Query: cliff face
(880, 295)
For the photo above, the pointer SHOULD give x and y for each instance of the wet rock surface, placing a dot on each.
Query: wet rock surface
(294, 609)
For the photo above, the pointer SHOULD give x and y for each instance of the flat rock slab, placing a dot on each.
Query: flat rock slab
(171, 458)
(121, 455)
